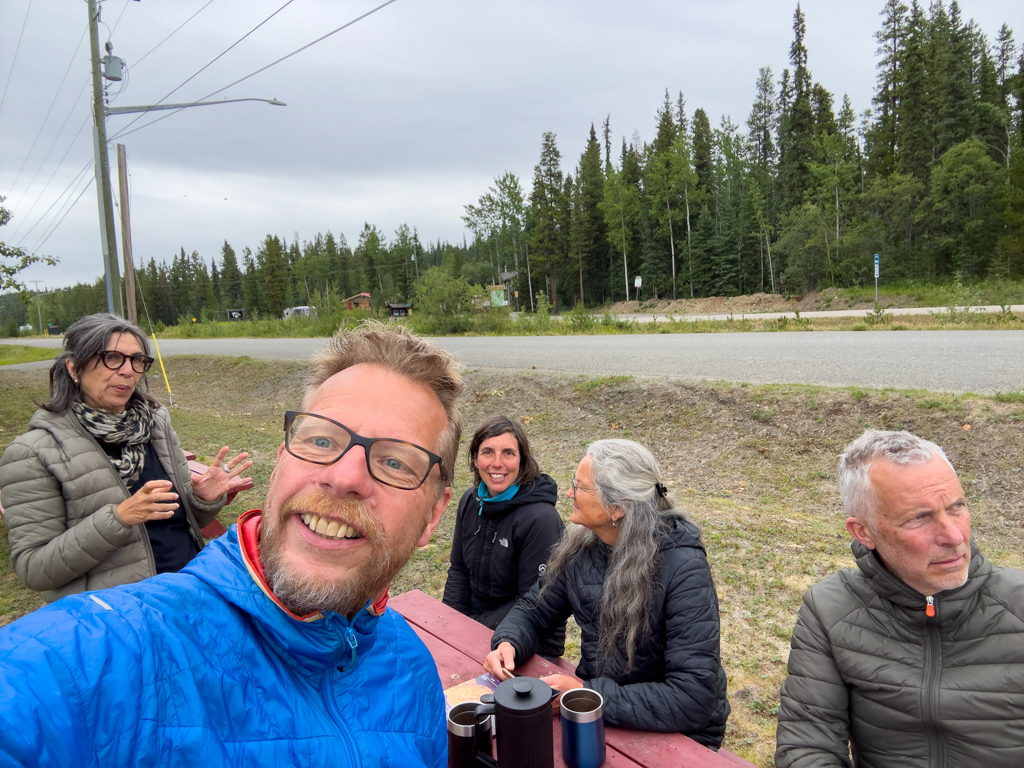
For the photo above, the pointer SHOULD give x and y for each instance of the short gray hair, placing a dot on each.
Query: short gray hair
(83, 340)
(900, 448)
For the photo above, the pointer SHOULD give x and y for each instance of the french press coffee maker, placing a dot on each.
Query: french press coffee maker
(523, 723)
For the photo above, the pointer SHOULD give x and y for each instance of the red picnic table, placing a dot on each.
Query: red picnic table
(459, 646)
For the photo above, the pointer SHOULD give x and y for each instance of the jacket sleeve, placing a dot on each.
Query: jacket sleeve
(688, 697)
(534, 543)
(205, 511)
(457, 590)
(814, 719)
(533, 616)
(45, 553)
(57, 683)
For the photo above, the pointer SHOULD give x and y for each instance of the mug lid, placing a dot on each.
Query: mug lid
(523, 695)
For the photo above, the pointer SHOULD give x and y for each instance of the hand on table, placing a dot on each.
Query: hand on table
(561, 683)
(153, 501)
(221, 478)
(501, 661)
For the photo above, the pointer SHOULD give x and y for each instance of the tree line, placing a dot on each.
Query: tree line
(931, 177)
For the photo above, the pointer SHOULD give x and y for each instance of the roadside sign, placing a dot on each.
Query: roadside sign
(638, 281)
(876, 266)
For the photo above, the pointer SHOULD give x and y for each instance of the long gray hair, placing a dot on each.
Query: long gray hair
(626, 476)
(86, 338)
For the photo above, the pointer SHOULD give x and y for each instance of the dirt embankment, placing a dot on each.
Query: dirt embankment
(755, 302)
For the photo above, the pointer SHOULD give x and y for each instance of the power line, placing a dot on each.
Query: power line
(124, 132)
(59, 165)
(48, 111)
(53, 229)
(15, 59)
(123, 9)
(71, 184)
(186, 21)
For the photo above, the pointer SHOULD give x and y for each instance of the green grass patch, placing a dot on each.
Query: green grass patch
(10, 354)
(601, 381)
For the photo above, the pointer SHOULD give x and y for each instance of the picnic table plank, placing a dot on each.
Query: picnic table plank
(431, 618)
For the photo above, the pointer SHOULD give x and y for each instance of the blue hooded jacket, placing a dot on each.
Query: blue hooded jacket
(202, 668)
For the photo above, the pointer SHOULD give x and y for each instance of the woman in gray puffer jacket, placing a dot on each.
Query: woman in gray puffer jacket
(91, 492)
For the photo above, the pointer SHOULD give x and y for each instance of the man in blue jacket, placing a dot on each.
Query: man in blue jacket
(274, 646)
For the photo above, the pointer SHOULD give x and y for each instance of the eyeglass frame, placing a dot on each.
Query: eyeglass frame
(147, 361)
(575, 487)
(365, 442)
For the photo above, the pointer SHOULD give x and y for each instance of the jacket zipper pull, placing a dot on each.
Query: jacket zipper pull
(353, 643)
(929, 609)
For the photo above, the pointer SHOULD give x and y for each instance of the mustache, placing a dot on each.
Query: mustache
(354, 513)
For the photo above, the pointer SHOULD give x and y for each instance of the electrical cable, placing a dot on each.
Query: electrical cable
(15, 59)
(53, 229)
(186, 21)
(48, 111)
(47, 211)
(125, 132)
(60, 163)
(123, 9)
(195, 74)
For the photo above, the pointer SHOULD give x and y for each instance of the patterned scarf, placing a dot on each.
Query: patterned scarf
(130, 429)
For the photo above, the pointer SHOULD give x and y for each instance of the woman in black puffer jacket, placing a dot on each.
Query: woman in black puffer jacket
(635, 576)
(505, 528)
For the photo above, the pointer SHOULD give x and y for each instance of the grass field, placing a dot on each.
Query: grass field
(17, 353)
(753, 465)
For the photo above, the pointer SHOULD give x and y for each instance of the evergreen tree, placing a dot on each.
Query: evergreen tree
(547, 206)
(703, 160)
(231, 276)
(882, 144)
(273, 268)
(914, 135)
(796, 139)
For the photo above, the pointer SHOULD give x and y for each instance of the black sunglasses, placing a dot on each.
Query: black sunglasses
(319, 440)
(113, 360)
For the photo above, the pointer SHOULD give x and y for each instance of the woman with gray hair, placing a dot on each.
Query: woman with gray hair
(635, 575)
(91, 492)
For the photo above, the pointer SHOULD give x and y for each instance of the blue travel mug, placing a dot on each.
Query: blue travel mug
(582, 713)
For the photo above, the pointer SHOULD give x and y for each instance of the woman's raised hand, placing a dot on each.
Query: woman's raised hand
(153, 501)
(501, 661)
(221, 478)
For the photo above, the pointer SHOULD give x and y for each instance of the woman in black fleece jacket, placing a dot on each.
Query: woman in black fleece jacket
(634, 574)
(505, 527)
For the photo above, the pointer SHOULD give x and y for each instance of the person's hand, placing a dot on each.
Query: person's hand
(153, 501)
(220, 478)
(561, 683)
(501, 661)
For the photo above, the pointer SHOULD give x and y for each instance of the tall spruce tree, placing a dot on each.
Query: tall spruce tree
(547, 241)
(796, 139)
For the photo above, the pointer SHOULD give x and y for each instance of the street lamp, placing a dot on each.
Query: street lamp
(113, 71)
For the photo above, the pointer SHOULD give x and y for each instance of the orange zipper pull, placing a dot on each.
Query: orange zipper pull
(929, 609)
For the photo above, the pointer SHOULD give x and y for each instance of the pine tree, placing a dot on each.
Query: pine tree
(546, 206)
(274, 278)
(231, 276)
(703, 160)
(796, 139)
(914, 134)
(763, 122)
(882, 139)
(588, 227)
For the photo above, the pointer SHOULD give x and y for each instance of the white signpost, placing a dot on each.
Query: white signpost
(637, 282)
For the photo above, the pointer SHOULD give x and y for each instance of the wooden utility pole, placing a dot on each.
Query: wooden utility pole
(126, 236)
(111, 273)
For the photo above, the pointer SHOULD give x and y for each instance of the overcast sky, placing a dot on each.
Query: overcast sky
(404, 117)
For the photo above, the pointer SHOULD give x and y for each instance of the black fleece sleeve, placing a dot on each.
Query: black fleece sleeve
(457, 590)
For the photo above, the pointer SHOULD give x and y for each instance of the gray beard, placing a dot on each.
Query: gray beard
(302, 594)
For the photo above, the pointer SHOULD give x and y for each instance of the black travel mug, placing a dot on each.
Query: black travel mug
(467, 735)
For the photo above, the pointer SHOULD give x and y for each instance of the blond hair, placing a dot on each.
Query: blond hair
(395, 348)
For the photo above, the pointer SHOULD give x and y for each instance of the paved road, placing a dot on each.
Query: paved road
(662, 317)
(955, 361)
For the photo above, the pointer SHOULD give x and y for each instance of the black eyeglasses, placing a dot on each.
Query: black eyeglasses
(114, 360)
(577, 488)
(320, 440)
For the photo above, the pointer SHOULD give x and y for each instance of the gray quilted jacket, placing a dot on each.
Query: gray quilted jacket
(870, 669)
(59, 492)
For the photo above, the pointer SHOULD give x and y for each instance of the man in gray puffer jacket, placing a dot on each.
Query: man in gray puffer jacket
(916, 657)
